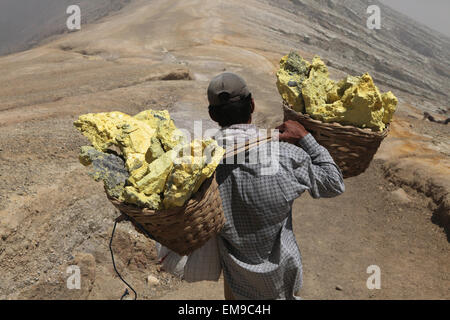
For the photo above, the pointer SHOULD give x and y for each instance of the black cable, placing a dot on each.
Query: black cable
(114, 264)
(126, 293)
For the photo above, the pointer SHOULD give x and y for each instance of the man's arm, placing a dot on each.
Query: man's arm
(317, 171)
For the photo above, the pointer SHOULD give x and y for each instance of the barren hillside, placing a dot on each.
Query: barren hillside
(161, 54)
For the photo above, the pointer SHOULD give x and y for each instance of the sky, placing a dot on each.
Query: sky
(432, 13)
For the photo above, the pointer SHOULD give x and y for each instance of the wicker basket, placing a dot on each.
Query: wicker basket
(182, 229)
(351, 148)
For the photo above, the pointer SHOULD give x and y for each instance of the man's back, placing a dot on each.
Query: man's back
(260, 256)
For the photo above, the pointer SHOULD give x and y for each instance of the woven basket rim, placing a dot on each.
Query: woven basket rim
(331, 125)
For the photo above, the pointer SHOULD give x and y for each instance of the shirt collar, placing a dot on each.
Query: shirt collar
(242, 126)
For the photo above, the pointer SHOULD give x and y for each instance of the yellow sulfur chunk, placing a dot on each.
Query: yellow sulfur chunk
(156, 178)
(353, 101)
(134, 197)
(138, 174)
(293, 72)
(132, 136)
(316, 87)
(390, 103)
(191, 170)
(101, 129)
(167, 132)
(153, 150)
(153, 117)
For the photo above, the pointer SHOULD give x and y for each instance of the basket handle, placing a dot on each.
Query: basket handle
(236, 149)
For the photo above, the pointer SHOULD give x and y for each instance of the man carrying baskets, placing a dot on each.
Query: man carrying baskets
(258, 250)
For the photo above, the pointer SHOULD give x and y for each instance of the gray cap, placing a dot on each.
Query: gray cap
(227, 88)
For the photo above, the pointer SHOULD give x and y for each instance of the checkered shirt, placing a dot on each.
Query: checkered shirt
(259, 253)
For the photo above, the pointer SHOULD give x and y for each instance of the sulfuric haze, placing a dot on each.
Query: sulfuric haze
(432, 13)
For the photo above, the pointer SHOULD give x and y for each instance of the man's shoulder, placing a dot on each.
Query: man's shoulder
(290, 151)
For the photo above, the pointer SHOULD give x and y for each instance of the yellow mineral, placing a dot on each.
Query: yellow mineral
(160, 165)
(132, 136)
(154, 151)
(155, 179)
(316, 87)
(390, 103)
(131, 195)
(167, 132)
(192, 168)
(101, 129)
(293, 71)
(353, 101)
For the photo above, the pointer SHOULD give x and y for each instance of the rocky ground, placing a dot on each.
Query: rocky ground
(161, 55)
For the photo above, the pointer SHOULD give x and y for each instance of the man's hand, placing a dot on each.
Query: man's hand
(292, 132)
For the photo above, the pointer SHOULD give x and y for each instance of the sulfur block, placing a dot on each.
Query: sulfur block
(166, 131)
(294, 70)
(108, 168)
(355, 101)
(192, 168)
(316, 87)
(152, 148)
(138, 174)
(158, 171)
(101, 129)
(132, 136)
(132, 196)
(390, 103)
(154, 151)
(352, 101)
